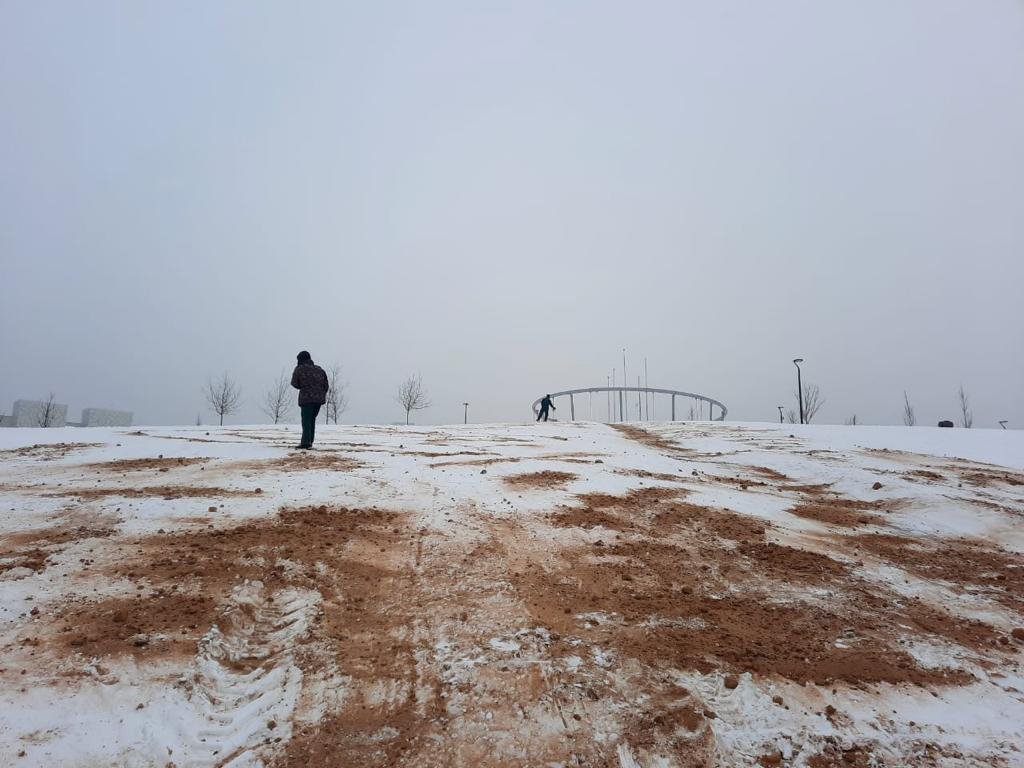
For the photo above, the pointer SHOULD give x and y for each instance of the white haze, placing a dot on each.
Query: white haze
(501, 196)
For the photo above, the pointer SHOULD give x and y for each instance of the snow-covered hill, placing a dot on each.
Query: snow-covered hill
(542, 594)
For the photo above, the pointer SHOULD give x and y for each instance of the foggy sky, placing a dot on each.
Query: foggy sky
(503, 195)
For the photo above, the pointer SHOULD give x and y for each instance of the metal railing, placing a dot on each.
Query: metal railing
(712, 403)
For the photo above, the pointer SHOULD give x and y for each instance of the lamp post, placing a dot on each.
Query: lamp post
(465, 413)
(780, 413)
(1003, 423)
(799, 387)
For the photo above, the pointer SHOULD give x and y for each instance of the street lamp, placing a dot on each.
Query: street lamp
(1003, 423)
(780, 413)
(465, 414)
(799, 387)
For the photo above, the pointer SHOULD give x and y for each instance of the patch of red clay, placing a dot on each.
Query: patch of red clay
(48, 451)
(182, 579)
(161, 491)
(968, 564)
(32, 549)
(835, 511)
(546, 480)
(137, 465)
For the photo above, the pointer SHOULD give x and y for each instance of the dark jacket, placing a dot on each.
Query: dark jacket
(311, 381)
(546, 403)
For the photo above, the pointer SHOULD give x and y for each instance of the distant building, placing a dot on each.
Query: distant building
(32, 413)
(104, 417)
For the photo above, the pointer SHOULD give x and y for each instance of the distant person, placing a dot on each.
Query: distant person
(544, 405)
(311, 381)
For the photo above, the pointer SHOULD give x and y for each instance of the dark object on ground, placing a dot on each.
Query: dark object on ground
(945, 423)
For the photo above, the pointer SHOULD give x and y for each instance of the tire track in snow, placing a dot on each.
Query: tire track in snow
(245, 677)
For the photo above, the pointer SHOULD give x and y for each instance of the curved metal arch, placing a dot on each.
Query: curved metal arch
(655, 390)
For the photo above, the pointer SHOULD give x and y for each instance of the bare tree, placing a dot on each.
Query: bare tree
(792, 416)
(412, 396)
(852, 421)
(966, 416)
(224, 396)
(47, 413)
(812, 402)
(277, 401)
(337, 394)
(908, 411)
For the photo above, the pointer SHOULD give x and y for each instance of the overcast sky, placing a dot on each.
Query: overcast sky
(503, 195)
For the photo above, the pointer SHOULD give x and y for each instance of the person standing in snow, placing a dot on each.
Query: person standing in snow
(311, 381)
(544, 405)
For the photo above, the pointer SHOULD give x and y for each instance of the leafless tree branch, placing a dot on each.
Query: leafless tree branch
(966, 415)
(337, 393)
(277, 401)
(223, 395)
(412, 396)
(47, 412)
(908, 411)
(812, 402)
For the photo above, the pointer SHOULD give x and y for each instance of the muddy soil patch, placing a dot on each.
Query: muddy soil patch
(303, 461)
(182, 579)
(989, 478)
(792, 564)
(651, 440)
(32, 549)
(842, 512)
(663, 608)
(546, 480)
(48, 451)
(663, 476)
(968, 564)
(474, 462)
(167, 492)
(137, 465)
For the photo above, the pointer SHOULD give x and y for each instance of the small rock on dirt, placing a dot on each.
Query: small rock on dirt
(1018, 634)
(731, 681)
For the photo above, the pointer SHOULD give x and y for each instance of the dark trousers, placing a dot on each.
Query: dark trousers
(309, 414)
(543, 414)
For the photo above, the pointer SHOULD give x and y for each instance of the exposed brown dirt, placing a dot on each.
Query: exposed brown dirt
(138, 465)
(161, 491)
(771, 474)
(32, 549)
(677, 586)
(302, 461)
(923, 474)
(740, 482)
(663, 476)
(987, 478)
(474, 462)
(791, 564)
(182, 579)
(835, 511)
(651, 440)
(968, 564)
(546, 480)
(48, 451)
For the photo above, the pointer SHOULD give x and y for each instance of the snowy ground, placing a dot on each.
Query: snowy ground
(542, 595)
